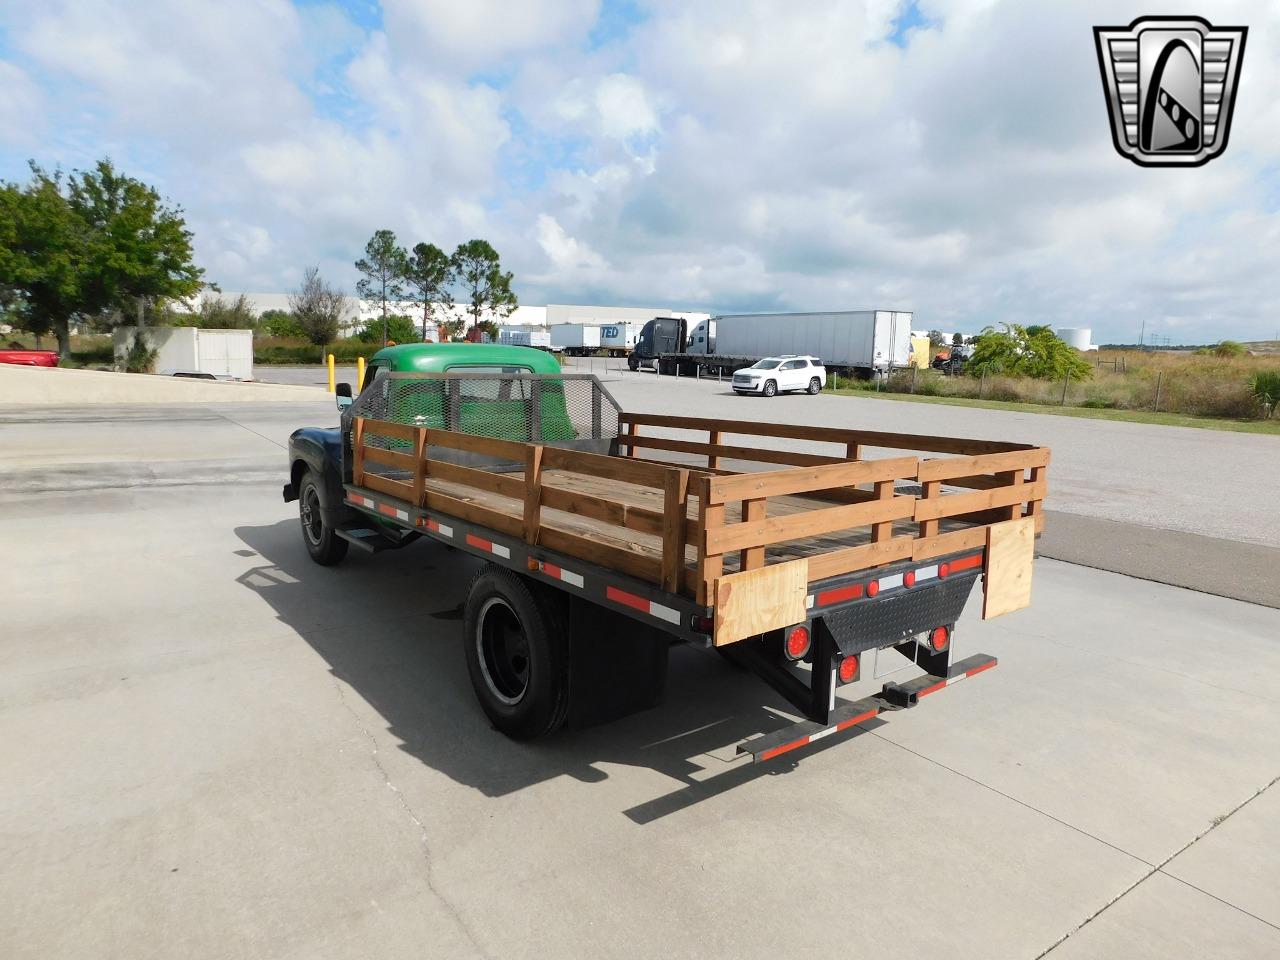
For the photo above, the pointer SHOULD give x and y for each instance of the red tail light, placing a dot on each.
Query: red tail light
(909, 578)
(944, 569)
(873, 588)
(939, 638)
(797, 642)
(848, 670)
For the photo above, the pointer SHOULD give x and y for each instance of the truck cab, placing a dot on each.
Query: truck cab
(319, 461)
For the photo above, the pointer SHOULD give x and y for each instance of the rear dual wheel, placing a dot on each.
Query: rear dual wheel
(517, 653)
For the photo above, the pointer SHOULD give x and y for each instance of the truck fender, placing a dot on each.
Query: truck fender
(313, 452)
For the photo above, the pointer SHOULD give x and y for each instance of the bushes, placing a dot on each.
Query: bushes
(1035, 352)
(1237, 388)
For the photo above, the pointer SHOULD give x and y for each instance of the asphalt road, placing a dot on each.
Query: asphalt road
(213, 748)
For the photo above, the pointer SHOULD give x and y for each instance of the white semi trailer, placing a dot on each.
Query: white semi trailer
(853, 342)
(619, 339)
(575, 339)
(519, 335)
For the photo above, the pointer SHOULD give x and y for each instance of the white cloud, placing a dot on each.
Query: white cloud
(746, 155)
(624, 108)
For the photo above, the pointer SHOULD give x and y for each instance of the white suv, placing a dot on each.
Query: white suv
(778, 374)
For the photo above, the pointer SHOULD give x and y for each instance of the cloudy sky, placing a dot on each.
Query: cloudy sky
(950, 157)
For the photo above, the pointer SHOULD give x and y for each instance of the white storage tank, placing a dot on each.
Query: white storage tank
(1079, 337)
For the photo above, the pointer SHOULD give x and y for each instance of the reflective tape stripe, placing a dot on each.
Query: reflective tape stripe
(437, 527)
(825, 732)
(388, 510)
(560, 573)
(888, 583)
(927, 573)
(644, 606)
(494, 548)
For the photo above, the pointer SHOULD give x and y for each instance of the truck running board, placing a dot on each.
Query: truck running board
(894, 696)
(369, 540)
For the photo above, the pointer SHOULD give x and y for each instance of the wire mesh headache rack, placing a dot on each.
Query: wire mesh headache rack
(568, 409)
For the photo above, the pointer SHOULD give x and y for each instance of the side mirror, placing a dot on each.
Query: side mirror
(342, 395)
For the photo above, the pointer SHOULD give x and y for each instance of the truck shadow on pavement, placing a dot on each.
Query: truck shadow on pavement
(390, 627)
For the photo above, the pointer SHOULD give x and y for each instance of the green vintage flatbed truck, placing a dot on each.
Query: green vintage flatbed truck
(822, 571)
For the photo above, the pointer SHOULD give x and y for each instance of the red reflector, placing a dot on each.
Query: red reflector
(939, 639)
(797, 642)
(873, 588)
(840, 594)
(848, 669)
(703, 624)
(943, 569)
(909, 578)
(965, 563)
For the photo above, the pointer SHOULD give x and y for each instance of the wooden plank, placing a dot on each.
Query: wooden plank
(532, 492)
(871, 438)
(709, 568)
(357, 446)
(713, 459)
(955, 504)
(929, 491)
(1007, 577)
(775, 483)
(756, 531)
(469, 510)
(883, 531)
(387, 428)
(503, 484)
(489, 446)
(639, 565)
(945, 469)
(834, 563)
(640, 472)
(632, 431)
(755, 601)
(392, 488)
(606, 511)
(753, 512)
(390, 458)
(420, 464)
(1013, 478)
(853, 451)
(676, 511)
(952, 542)
(749, 454)
(1036, 508)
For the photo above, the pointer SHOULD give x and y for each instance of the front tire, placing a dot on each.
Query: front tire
(815, 386)
(633, 364)
(770, 388)
(517, 653)
(323, 543)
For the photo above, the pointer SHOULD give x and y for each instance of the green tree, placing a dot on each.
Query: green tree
(383, 266)
(398, 327)
(957, 340)
(280, 323)
(214, 313)
(428, 273)
(1014, 350)
(937, 338)
(318, 308)
(91, 245)
(485, 287)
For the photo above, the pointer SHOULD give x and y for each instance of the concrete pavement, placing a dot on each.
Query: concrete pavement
(213, 748)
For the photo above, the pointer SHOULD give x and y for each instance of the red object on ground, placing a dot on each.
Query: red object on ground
(30, 358)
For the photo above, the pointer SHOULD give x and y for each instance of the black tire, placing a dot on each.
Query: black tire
(633, 364)
(815, 386)
(770, 388)
(324, 545)
(517, 651)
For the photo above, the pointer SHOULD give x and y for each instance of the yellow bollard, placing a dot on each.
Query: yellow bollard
(359, 373)
(332, 389)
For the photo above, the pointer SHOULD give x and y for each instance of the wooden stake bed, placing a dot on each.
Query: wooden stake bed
(686, 526)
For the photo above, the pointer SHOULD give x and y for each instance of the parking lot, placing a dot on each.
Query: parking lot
(212, 747)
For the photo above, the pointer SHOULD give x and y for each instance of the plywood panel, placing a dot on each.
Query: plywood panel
(754, 601)
(1010, 556)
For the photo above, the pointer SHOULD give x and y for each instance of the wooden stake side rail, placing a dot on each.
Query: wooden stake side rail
(994, 481)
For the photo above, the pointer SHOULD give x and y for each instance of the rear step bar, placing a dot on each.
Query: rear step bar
(894, 696)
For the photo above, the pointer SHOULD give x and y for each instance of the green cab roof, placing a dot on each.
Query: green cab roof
(439, 357)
